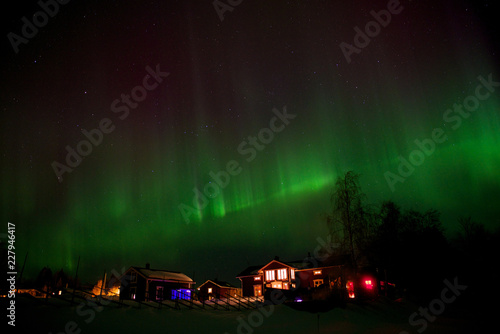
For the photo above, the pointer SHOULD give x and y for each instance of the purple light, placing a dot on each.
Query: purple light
(181, 294)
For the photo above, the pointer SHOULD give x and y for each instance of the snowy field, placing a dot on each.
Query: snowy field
(380, 316)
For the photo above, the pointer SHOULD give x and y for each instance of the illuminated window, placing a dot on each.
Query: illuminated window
(181, 294)
(270, 275)
(282, 274)
(317, 282)
(132, 293)
(256, 278)
(209, 290)
(257, 290)
(292, 273)
(277, 285)
(317, 272)
(368, 284)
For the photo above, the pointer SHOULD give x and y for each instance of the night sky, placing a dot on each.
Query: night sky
(212, 106)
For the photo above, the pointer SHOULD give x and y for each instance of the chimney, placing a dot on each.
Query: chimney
(147, 266)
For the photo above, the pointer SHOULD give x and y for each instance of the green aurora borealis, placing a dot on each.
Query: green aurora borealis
(120, 206)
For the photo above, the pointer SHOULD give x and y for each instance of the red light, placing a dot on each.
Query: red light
(350, 289)
(368, 284)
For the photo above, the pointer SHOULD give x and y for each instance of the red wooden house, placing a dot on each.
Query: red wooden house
(145, 284)
(301, 280)
(215, 289)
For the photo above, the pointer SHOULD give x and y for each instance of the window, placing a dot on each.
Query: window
(132, 293)
(256, 278)
(317, 272)
(317, 282)
(209, 290)
(181, 294)
(282, 274)
(270, 275)
(292, 273)
(133, 277)
(277, 285)
(257, 290)
(369, 284)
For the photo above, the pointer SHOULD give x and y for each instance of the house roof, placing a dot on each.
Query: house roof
(280, 262)
(222, 284)
(164, 275)
(250, 271)
(305, 264)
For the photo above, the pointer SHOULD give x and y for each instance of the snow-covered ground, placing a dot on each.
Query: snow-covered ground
(380, 316)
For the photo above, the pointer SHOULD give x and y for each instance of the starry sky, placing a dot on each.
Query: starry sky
(265, 100)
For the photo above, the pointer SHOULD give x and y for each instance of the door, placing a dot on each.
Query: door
(257, 290)
(159, 293)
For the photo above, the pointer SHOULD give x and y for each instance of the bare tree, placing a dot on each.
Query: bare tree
(471, 234)
(348, 219)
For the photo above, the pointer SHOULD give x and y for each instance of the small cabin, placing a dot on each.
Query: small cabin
(215, 289)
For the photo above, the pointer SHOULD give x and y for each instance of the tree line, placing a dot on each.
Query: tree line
(407, 247)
